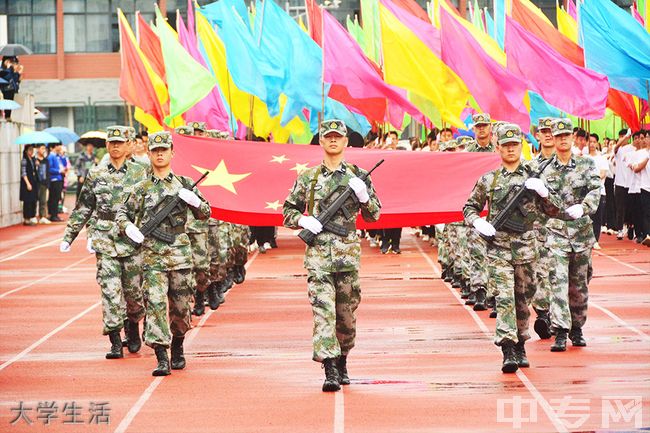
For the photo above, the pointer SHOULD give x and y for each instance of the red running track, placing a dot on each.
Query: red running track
(423, 362)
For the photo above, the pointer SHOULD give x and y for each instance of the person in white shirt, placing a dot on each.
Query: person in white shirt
(622, 179)
(603, 167)
(640, 188)
(610, 202)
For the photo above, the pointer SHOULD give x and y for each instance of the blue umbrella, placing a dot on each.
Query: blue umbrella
(36, 137)
(65, 135)
(8, 104)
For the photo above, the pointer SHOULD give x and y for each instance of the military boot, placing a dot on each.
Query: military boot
(240, 274)
(520, 354)
(213, 295)
(490, 302)
(447, 276)
(481, 293)
(331, 375)
(471, 299)
(560, 341)
(162, 369)
(464, 291)
(443, 274)
(576, 337)
(178, 358)
(228, 282)
(134, 337)
(125, 340)
(199, 303)
(542, 324)
(116, 346)
(509, 359)
(342, 367)
(221, 292)
(455, 282)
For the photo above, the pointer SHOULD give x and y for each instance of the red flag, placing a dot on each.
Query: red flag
(315, 21)
(413, 8)
(150, 46)
(249, 181)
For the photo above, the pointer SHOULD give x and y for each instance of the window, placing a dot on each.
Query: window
(98, 117)
(31, 23)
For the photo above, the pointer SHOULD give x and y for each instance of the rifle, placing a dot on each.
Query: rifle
(502, 219)
(151, 226)
(326, 216)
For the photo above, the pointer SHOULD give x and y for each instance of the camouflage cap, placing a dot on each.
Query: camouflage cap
(544, 123)
(449, 145)
(184, 130)
(480, 119)
(198, 126)
(496, 125)
(131, 132)
(561, 126)
(215, 133)
(333, 125)
(162, 139)
(117, 133)
(509, 133)
(465, 140)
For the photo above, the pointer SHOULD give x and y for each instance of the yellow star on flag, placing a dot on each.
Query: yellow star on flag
(273, 205)
(279, 159)
(220, 177)
(299, 168)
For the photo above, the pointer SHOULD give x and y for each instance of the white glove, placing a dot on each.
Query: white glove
(575, 211)
(360, 189)
(134, 233)
(64, 247)
(537, 185)
(89, 246)
(484, 227)
(189, 197)
(310, 223)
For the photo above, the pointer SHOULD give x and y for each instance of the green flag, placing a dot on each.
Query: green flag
(188, 81)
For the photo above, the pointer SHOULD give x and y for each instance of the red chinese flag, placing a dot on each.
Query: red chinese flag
(249, 181)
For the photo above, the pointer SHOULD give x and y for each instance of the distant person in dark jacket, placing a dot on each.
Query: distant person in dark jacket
(43, 174)
(11, 71)
(28, 186)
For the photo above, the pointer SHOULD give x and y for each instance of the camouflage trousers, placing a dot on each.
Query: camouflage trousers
(478, 269)
(570, 278)
(463, 244)
(542, 298)
(443, 258)
(334, 298)
(120, 281)
(515, 284)
(201, 260)
(168, 305)
(219, 245)
(239, 249)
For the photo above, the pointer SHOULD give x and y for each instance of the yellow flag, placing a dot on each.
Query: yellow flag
(566, 24)
(409, 64)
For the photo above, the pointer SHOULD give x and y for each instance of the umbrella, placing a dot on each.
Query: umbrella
(36, 137)
(65, 135)
(38, 114)
(96, 138)
(3, 81)
(14, 50)
(9, 104)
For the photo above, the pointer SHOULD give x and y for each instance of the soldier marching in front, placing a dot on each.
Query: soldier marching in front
(167, 278)
(333, 261)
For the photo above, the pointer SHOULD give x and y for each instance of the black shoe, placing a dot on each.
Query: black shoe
(273, 243)
(384, 250)
(178, 358)
(493, 313)
(576, 337)
(240, 274)
(397, 251)
(134, 337)
(342, 367)
(490, 302)
(331, 376)
(464, 291)
(560, 341)
(213, 295)
(162, 369)
(455, 282)
(630, 233)
(117, 351)
(55, 219)
(443, 274)
(481, 293)
(471, 299)
(509, 359)
(543, 325)
(199, 303)
(125, 340)
(520, 355)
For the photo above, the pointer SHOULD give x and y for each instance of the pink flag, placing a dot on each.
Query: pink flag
(211, 108)
(571, 88)
(496, 90)
(636, 15)
(425, 32)
(355, 80)
(571, 9)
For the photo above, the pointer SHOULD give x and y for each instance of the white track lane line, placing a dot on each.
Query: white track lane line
(339, 411)
(137, 407)
(557, 423)
(620, 262)
(22, 253)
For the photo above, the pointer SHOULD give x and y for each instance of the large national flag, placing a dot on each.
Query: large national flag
(572, 89)
(249, 181)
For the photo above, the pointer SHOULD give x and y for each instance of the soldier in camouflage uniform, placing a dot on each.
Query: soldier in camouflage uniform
(199, 128)
(168, 279)
(332, 263)
(510, 255)
(478, 283)
(570, 236)
(197, 230)
(118, 265)
(240, 236)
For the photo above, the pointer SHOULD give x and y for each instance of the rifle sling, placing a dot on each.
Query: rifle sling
(314, 181)
(491, 198)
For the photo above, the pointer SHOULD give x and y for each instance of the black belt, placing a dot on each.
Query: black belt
(106, 215)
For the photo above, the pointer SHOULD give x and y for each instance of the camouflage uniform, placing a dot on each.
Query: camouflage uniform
(570, 241)
(333, 262)
(240, 237)
(118, 262)
(218, 245)
(167, 267)
(197, 230)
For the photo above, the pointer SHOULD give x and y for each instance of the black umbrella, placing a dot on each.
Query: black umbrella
(14, 50)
